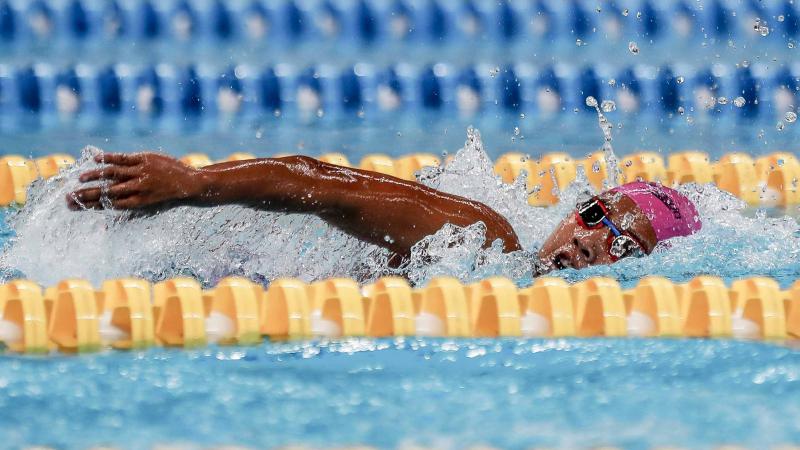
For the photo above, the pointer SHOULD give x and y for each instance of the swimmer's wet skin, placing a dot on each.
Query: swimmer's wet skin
(384, 210)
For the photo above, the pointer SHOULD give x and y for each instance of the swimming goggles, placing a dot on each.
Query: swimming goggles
(593, 214)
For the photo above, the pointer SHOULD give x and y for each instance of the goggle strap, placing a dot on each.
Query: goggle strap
(611, 227)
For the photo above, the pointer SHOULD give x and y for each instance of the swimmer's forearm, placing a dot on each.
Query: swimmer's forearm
(280, 184)
(377, 208)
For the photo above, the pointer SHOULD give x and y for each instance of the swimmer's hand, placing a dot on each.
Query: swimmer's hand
(132, 181)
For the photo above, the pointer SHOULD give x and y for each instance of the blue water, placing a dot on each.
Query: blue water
(404, 133)
(512, 393)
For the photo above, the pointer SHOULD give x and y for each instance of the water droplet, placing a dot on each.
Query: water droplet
(360, 114)
(639, 15)
(276, 113)
(522, 115)
(578, 42)
(628, 163)
(627, 220)
(781, 18)
(790, 44)
(745, 63)
(680, 79)
(633, 47)
(763, 30)
(780, 125)
(516, 131)
(739, 102)
(591, 101)
(608, 106)
(596, 167)
(790, 116)
(612, 82)
(493, 72)
(625, 12)
(722, 100)
(681, 111)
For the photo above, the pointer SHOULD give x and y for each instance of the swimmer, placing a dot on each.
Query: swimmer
(629, 220)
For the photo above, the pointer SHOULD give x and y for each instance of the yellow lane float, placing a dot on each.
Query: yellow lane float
(736, 173)
(770, 180)
(286, 310)
(233, 314)
(653, 309)
(705, 308)
(443, 309)
(689, 167)
(179, 313)
(378, 163)
(126, 316)
(337, 308)
(406, 167)
(74, 321)
(390, 308)
(548, 308)
(494, 308)
(646, 166)
(131, 313)
(23, 319)
(599, 308)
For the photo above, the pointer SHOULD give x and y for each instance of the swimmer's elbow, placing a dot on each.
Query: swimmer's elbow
(499, 228)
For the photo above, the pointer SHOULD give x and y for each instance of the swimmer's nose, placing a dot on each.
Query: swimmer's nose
(578, 255)
(587, 252)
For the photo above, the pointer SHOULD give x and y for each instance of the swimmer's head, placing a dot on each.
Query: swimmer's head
(629, 220)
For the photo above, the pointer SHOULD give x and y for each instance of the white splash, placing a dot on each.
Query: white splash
(52, 243)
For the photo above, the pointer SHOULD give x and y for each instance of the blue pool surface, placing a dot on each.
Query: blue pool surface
(452, 393)
(125, 76)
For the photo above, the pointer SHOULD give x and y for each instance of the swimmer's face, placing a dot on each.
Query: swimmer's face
(572, 245)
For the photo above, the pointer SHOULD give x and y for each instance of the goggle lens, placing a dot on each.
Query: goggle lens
(623, 246)
(591, 213)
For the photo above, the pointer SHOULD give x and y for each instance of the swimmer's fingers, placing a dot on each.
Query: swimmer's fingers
(91, 198)
(116, 173)
(120, 159)
(132, 202)
(83, 199)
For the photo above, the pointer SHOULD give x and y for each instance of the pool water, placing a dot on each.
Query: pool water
(513, 394)
(71, 86)
(397, 134)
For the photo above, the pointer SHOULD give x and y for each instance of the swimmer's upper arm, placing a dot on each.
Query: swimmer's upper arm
(387, 208)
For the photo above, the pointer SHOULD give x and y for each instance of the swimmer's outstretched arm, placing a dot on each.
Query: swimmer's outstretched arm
(373, 207)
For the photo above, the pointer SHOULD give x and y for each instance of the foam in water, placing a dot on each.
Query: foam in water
(52, 243)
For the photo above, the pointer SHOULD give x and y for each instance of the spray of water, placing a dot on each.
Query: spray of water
(51, 243)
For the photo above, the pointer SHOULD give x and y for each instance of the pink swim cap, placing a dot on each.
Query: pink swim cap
(669, 211)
